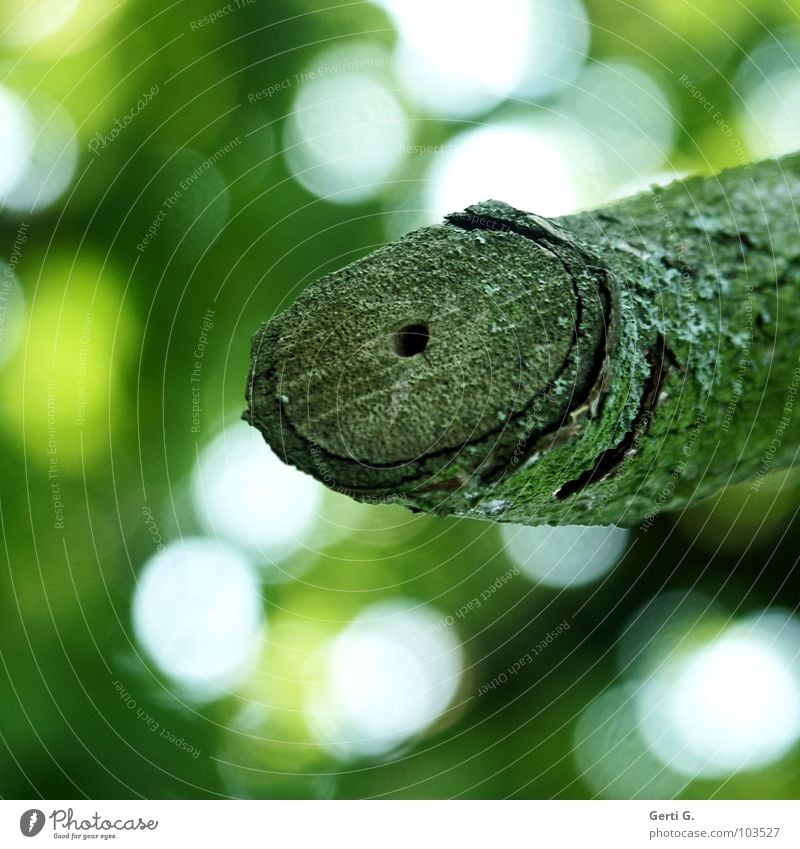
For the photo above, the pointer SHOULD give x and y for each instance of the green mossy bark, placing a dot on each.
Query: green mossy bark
(597, 368)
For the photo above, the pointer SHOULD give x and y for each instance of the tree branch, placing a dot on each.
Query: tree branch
(592, 369)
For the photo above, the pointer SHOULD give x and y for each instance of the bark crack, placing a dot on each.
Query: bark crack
(609, 462)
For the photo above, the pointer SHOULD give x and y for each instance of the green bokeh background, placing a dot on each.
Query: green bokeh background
(245, 240)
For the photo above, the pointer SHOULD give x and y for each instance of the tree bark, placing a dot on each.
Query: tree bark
(592, 369)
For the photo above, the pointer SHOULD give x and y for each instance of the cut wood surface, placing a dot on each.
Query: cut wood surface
(596, 368)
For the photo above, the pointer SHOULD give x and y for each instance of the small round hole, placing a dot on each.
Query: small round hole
(411, 339)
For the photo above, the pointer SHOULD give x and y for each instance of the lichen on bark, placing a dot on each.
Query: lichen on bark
(595, 368)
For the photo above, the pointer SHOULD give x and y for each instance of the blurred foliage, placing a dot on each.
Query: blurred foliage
(244, 238)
